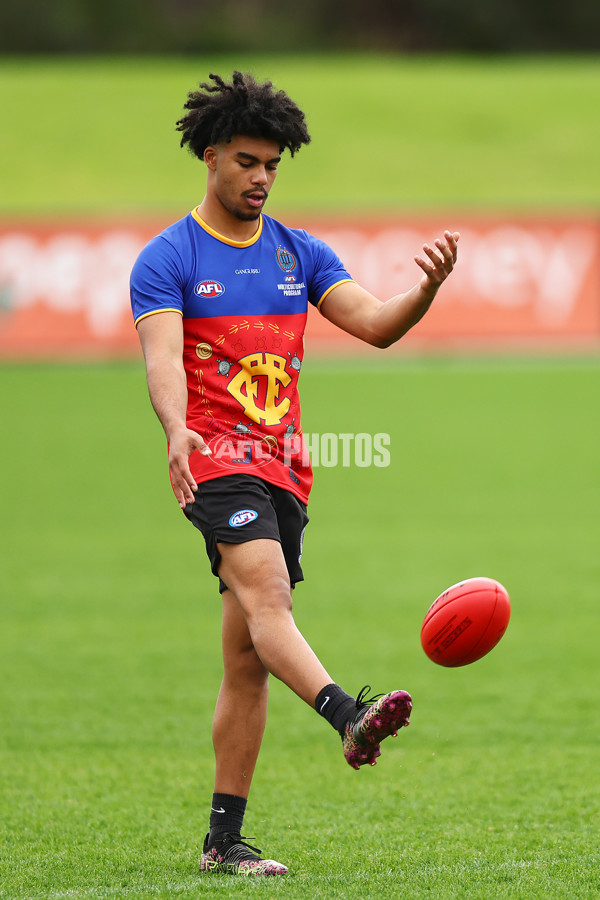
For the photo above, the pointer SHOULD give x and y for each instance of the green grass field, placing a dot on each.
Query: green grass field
(389, 132)
(109, 625)
(109, 659)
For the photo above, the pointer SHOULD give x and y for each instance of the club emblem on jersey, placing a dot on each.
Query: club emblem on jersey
(256, 387)
(209, 289)
(285, 259)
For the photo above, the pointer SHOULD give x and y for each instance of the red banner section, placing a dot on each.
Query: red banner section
(519, 282)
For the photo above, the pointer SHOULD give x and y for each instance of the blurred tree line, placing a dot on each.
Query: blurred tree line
(193, 26)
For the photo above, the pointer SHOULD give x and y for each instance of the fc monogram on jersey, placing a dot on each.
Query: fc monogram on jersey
(256, 387)
(244, 311)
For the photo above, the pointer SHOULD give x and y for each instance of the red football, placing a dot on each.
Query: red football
(465, 622)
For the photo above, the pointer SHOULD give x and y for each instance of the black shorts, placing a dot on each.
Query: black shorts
(239, 508)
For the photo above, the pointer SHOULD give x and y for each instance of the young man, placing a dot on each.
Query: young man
(220, 302)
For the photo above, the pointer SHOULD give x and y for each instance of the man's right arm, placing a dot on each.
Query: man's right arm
(161, 336)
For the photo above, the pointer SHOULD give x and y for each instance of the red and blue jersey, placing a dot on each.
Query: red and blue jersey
(244, 306)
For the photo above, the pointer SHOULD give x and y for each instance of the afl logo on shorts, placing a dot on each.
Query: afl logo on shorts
(209, 289)
(242, 517)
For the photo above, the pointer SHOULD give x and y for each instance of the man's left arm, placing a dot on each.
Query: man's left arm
(355, 310)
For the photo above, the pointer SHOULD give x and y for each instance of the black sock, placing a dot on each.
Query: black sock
(227, 814)
(336, 706)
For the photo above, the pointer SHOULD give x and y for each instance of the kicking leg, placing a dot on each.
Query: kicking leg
(256, 573)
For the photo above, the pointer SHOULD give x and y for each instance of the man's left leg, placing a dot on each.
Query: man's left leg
(238, 727)
(241, 710)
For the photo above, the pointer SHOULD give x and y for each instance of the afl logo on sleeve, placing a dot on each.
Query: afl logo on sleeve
(242, 517)
(209, 289)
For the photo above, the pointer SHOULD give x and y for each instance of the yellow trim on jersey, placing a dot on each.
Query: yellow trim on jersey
(328, 291)
(226, 240)
(155, 311)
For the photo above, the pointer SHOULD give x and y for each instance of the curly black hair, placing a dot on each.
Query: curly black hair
(219, 111)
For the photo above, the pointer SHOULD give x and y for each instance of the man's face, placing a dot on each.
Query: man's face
(243, 172)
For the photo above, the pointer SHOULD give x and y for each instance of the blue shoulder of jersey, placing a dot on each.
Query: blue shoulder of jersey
(190, 269)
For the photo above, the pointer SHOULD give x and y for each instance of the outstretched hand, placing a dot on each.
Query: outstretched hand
(440, 262)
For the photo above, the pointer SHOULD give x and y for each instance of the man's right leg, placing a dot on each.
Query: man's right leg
(256, 573)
